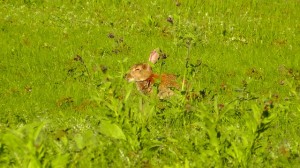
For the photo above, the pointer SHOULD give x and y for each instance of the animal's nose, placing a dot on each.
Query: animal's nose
(129, 77)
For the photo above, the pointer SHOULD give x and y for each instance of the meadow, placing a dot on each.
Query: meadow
(64, 101)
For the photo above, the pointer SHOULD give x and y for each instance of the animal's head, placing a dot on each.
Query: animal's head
(139, 72)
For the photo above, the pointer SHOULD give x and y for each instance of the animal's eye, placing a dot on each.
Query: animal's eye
(137, 69)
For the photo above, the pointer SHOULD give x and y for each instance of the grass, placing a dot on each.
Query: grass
(64, 101)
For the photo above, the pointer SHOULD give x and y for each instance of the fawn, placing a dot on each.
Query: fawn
(144, 78)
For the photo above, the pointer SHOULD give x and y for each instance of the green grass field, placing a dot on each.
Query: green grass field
(65, 103)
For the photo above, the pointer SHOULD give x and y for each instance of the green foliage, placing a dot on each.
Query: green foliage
(64, 101)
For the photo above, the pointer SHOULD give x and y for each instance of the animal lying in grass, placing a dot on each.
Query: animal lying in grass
(144, 79)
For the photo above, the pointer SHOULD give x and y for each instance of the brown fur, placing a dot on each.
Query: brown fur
(144, 78)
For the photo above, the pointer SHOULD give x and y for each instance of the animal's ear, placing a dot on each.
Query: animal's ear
(147, 67)
(154, 56)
